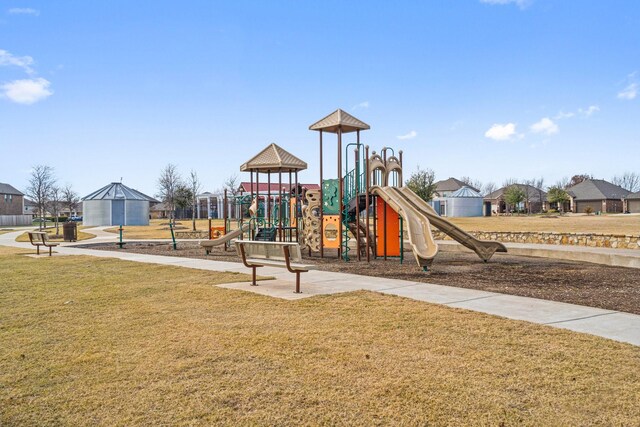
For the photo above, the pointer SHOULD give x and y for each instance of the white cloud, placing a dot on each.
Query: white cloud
(364, 104)
(520, 3)
(562, 115)
(410, 135)
(27, 91)
(24, 62)
(500, 132)
(23, 11)
(589, 111)
(545, 126)
(629, 92)
(582, 112)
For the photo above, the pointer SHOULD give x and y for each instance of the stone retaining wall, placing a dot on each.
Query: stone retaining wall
(192, 234)
(619, 241)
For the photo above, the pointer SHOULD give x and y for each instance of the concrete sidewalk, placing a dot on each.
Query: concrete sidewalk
(615, 325)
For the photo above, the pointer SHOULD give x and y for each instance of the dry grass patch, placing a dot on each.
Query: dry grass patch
(24, 237)
(603, 224)
(8, 250)
(159, 228)
(110, 342)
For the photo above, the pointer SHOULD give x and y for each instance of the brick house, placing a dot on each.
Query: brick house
(598, 195)
(12, 209)
(11, 200)
(446, 187)
(633, 203)
(535, 200)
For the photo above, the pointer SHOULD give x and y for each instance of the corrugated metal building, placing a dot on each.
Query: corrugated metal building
(116, 204)
(462, 202)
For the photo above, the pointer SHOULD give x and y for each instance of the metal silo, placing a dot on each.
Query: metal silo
(464, 202)
(116, 204)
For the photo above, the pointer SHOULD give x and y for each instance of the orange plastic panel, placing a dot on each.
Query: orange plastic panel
(217, 232)
(393, 229)
(330, 231)
(292, 212)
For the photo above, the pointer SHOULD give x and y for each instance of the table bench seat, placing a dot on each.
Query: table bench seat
(272, 254)
(39, 238)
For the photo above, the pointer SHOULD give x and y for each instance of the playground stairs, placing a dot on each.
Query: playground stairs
(267, 234)
(362, 204)
(362, 243)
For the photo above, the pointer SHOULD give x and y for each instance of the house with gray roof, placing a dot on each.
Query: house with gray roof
(597, 195)
(535, 200)
(12, 206)
(633, 203)
(446, 187)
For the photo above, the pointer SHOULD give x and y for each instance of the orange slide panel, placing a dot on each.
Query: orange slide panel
(330, 234)
(393, 229)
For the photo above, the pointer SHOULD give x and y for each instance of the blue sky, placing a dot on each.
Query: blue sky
(488, 89)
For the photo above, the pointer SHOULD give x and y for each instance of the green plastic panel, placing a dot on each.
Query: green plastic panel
(330, 197)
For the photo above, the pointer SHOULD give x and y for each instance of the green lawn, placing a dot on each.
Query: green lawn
(101, 341)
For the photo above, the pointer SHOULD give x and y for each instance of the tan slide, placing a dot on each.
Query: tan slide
(484, 248)
(417, 223)
(208, 244)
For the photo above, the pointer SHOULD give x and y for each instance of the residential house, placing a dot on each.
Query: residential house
(597, 195)
(633, 203)
(12, 206)
(535, 201)
(446, 187)
(11, 200)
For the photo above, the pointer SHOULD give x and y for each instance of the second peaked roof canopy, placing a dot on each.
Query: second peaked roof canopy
(273, 159)
(339, 120)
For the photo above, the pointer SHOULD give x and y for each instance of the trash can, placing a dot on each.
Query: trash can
(70, 231)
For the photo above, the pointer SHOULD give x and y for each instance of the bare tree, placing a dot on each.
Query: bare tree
(630, 181)
(70, 199)
(473, 183)
(194, 187)
(41, 183)
(530, 192)
(232, 185)
(509, 182)
(534, 193)
(489, 188)
(168, 184)
(563, 183)
(577, 179)
(55, 203)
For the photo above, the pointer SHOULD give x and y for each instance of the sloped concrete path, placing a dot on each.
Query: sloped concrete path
(610, 324)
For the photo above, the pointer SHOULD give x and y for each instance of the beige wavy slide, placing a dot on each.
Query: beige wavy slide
(208, 244)
(484, 248)
(418, 227)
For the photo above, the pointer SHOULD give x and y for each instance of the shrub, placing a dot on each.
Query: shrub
(588, 210)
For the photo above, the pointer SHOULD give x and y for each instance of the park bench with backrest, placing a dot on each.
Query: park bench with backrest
(272, 254)
(39, 238)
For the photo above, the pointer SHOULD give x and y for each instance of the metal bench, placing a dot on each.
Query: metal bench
(272, 254)
(40, 238)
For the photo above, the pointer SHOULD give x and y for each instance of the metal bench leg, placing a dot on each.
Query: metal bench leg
(50, 249)
(297, 282)
(37, 249)
(253, 282)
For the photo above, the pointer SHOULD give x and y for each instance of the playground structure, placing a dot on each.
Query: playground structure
(264, 217)
(366, 208)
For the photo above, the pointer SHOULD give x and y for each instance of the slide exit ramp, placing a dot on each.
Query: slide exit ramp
(484, 248)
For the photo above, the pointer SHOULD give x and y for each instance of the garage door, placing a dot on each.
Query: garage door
(582, 206)
(633, 206)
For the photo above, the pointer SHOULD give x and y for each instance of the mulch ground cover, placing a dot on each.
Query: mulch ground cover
(594, 285)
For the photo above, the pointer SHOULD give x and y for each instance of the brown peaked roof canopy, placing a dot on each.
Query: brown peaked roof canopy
(273, 159)
(341, 119)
